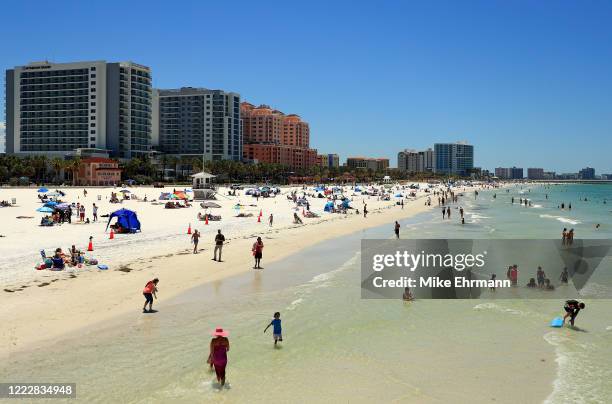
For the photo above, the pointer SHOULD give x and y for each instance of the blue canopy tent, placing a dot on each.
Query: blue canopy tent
(42, 190)
(329, 206)
(50, 204)
(346, 204)
(127, 219)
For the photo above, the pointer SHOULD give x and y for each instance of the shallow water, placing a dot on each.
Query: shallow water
(339, 347)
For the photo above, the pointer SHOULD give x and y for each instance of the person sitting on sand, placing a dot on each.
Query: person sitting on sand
(572, 307)
(548, 285)
(58, 260)
(149, 291)
(532, 283)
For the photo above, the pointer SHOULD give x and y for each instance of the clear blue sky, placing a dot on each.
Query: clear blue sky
(529, 83)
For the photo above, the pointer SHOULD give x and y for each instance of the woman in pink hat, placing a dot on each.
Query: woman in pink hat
(219, 346)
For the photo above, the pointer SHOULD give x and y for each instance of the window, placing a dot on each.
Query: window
(93, 68)
(93, 139)
(93, 124)
(93, 111)
(92, 132)
(93, 104)
(93, 97)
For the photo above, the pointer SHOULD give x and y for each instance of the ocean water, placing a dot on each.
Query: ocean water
(339, 347)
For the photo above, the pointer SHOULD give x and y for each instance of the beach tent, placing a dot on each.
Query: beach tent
(345, 204)
(328, 206)
(126, 218)
(43, 190)
(50, 204)
(45, 209)
(164, 196)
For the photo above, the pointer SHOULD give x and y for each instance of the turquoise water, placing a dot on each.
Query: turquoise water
(339, 347)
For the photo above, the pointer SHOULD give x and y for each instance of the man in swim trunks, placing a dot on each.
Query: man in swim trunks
(149, 291)
(572, 308)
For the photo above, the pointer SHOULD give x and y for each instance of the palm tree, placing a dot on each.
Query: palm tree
(57, 164)
(74, 167)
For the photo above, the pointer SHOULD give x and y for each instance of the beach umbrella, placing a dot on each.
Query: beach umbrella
(44, 209)
(125, 191)
(50, 204)
(43, 190)
(53, 194)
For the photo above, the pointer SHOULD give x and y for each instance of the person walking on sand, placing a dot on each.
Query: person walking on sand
(219, 240)
(82, 213)
(257, 252)
(271, 219)
(397, 229)
(195, 238)
(149, 291)
(219, 346)
(448, 213)
(95, 212)
(365, 210)
(443, 213)
(277, 331)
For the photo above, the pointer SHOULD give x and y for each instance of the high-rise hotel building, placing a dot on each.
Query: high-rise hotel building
(270, 136)
(55, 108)
(199, 122)
(453, 158)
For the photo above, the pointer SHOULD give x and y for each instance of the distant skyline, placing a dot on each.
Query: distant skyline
(527, 83)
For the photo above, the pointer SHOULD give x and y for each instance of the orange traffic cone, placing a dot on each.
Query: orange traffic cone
(112, 234)
(189, 229)
(90, 246)
(206, 222)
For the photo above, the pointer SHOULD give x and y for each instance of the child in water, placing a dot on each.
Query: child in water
(277, 331)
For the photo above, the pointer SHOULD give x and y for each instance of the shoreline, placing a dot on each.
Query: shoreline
(178, 272)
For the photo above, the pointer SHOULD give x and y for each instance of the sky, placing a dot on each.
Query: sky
(528, 83)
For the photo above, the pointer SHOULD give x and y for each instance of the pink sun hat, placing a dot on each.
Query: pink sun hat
(220, 332)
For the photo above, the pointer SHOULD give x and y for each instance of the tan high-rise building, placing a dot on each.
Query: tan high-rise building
(270, 136)
(295, 131)
(261, 124)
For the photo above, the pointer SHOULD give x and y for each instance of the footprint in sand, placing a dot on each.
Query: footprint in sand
(43, 284)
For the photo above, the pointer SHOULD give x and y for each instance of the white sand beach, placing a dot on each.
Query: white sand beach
(162, 249)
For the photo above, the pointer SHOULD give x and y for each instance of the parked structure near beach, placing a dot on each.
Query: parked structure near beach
(55, 108)
(197, 122)
(99, 171)
(270, 136)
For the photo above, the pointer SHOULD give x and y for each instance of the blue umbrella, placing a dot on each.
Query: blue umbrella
(42, 190)
(44, 209)
(50, 204)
